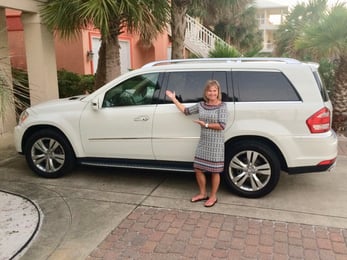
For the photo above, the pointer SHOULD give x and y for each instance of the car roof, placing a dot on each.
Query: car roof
(220, 61)
(225, 63)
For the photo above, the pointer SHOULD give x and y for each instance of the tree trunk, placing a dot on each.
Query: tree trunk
(112, 59)
(178, 27)
(100, 75)
(340, 97)
(109, 56)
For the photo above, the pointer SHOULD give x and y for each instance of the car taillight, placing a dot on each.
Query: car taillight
(319, 122)
(327, 162)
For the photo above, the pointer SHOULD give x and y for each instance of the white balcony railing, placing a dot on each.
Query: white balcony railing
(199, 40)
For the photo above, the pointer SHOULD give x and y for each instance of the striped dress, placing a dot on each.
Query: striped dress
(209, 155)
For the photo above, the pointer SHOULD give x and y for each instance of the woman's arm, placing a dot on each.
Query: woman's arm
(172, 96)
(214, 126)
(222, 120)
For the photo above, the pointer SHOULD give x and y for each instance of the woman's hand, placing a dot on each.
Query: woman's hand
(170, 94)
(199, 122)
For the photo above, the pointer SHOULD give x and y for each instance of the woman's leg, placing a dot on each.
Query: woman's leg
(201, 180)
(215, 181)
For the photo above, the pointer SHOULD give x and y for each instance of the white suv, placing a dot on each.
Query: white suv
(279, 120)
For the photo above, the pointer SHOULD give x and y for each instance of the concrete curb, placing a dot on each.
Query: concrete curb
(19, 222)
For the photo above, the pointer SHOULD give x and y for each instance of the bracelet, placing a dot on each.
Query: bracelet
(206, 125)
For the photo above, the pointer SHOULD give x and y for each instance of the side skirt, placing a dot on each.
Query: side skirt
(138, 164)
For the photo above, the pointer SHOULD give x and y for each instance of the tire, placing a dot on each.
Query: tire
(252, 168)
(49, 154)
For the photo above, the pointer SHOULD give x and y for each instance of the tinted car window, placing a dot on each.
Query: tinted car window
(321, 87)
(189, 85)
(263, 86)
(138, 90)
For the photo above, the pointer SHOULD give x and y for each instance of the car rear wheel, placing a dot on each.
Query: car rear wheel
(252, 168)
(49, 154)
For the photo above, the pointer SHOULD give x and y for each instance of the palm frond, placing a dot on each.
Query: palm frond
(327, 37)
(101, 13)
(222, 50)
(148, 18)
(62, 17)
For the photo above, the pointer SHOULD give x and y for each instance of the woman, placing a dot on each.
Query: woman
(209, 156)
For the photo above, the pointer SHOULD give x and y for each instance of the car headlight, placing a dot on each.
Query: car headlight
(23, 116)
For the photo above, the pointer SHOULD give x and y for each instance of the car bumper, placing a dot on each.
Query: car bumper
(312, 154)
(18, 136)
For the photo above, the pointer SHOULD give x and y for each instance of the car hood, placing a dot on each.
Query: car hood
(59, 104)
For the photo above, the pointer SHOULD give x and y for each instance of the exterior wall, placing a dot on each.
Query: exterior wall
(138, 56)
(269, 18)
(40, 59)
(30, 47)
(16, 39)
(7, 119)
(71, 54)
(37, 44)
(157, 51)
(30, 6)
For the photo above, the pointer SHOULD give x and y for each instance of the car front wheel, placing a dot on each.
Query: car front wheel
(49, 154)
(252, 168)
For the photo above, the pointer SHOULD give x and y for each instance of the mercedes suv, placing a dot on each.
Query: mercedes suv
(279, 121)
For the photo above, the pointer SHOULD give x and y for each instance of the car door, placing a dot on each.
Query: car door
(122, 127)
(175, 136)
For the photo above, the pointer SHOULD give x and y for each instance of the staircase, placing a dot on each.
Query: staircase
(199, 40)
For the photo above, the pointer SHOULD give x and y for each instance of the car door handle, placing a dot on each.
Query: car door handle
(142, 118)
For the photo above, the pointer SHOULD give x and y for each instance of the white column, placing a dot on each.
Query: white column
(41, 62)
(7, 110)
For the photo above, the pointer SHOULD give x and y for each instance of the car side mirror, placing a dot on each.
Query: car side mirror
(95, 104)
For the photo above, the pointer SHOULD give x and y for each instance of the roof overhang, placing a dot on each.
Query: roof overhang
(31, 6)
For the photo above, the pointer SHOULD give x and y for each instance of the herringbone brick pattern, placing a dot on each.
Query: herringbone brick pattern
(153, 233)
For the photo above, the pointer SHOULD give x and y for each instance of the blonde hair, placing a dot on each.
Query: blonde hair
(208, 85)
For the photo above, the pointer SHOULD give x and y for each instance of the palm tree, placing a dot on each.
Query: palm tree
(238, 26)
(111, 17)
(328, 38)
(179, 9)
(5, 92)
(14, 91)
(302, 15)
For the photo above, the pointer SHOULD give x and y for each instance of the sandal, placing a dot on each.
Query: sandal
(198, 198)
(210, 203)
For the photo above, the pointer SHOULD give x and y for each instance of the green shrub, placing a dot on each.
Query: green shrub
(326, 70)
(87, 83)
(20, 90)
(223, 51)
(71, 84)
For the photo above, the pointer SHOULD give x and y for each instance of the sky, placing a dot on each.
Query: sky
(276, 19)
(294, 2)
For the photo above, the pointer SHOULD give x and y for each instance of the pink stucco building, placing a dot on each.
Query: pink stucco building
(80, 55)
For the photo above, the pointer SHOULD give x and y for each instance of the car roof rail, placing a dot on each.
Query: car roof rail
(206, 60)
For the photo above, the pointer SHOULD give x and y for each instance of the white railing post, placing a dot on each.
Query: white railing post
(199, 39)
